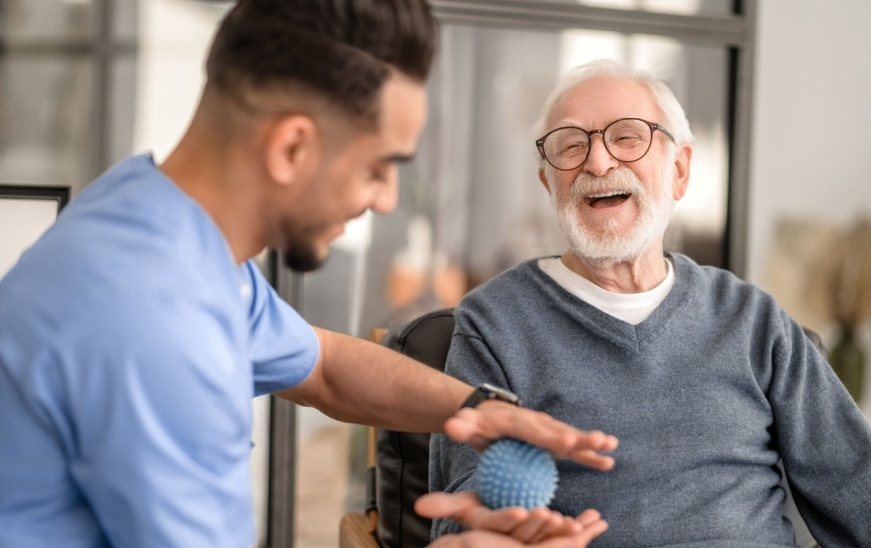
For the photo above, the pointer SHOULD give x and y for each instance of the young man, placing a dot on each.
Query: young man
(135, 332)
(705, 380)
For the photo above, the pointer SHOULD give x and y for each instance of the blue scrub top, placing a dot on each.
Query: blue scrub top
(131, 345)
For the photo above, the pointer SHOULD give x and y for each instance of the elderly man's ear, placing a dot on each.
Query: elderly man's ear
(682, 171)
(543, 178)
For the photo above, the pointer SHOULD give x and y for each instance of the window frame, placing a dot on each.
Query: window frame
(102, 48)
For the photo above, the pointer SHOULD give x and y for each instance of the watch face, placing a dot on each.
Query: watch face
(489, 392)
(499, 393)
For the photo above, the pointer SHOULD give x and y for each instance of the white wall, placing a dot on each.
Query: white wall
(22, 222)
(174, 39)
(811, 152)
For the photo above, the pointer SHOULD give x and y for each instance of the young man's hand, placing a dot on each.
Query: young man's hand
(492, 420)
(509, 527)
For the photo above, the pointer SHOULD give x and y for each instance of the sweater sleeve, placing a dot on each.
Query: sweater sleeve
(824, 441)
(452, 465)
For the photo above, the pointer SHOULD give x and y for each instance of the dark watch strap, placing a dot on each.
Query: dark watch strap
(486, 392)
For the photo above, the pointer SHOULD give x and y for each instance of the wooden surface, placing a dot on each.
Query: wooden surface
(355, 531)
(377, 334)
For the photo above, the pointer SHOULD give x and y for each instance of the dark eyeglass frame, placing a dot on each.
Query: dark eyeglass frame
(539, 143)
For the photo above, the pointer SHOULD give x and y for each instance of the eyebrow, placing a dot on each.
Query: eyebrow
(397, 158)
(568, 122)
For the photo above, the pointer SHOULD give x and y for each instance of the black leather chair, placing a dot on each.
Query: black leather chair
(817, 340)
(399, 474)
(402, 464)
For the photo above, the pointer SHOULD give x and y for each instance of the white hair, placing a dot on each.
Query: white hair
(675, 120)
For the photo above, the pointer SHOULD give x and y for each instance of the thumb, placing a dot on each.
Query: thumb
(440, 505)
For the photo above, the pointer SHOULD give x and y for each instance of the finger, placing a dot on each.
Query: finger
(594, 460)
(578, 540)
(557, 525)
(466, 509)
(504, 520)
(537, 521)
(442, 505)
(588, 517)
(590, 532)
(566, 526)
(451, 541)
(492, 420)
(590, 442)
(446, 541)
(467, 426)
(475, 539)
(562, 440)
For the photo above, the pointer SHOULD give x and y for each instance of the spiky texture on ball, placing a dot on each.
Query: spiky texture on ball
(515, 473)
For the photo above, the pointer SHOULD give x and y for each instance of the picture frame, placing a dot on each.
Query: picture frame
(26, 211)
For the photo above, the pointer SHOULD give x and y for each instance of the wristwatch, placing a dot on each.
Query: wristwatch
(486, 392)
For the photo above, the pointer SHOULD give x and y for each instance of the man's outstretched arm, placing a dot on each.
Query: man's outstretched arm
(361, 382)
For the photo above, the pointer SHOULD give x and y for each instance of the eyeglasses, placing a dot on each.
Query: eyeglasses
(626, 140)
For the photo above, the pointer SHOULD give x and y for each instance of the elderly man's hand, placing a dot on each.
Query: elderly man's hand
(492, 420)
(510, 527)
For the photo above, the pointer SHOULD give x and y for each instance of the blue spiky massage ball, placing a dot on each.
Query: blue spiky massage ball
(515, 473)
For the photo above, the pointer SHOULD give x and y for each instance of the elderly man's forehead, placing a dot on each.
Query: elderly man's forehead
(604, 99)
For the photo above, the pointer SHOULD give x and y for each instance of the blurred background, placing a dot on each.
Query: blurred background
(775, 91)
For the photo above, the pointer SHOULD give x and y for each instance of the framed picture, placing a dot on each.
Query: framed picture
(25, 213)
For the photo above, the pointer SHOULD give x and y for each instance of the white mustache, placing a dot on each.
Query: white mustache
(621, 180)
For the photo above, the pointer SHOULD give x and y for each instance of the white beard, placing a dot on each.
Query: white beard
(606, 245)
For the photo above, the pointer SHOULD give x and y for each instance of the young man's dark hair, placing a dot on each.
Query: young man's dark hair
(342, 50)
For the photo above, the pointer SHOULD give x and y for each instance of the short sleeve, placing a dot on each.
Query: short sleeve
(283, 347)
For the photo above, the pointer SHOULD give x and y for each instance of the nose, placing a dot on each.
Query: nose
(599, 161)
(387, 195)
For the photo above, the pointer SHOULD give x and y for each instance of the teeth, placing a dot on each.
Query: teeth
(607, 194)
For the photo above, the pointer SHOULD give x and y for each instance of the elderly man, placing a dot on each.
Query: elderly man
(135, 332)
(707, 383)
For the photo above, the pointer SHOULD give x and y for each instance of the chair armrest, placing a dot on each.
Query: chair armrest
(356, 531)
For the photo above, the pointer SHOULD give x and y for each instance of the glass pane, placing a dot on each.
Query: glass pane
(121, 112)
(327, 483)
(674, 7)
(322, 478)
(57, 20)
(174, 36)
(125, 14)
(45, 130)
(123, 86)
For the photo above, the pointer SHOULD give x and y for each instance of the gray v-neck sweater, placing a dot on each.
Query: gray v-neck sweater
(705, 396)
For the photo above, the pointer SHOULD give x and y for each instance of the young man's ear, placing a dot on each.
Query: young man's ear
(292, 147)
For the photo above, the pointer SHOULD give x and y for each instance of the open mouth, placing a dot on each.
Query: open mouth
(607, 199)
